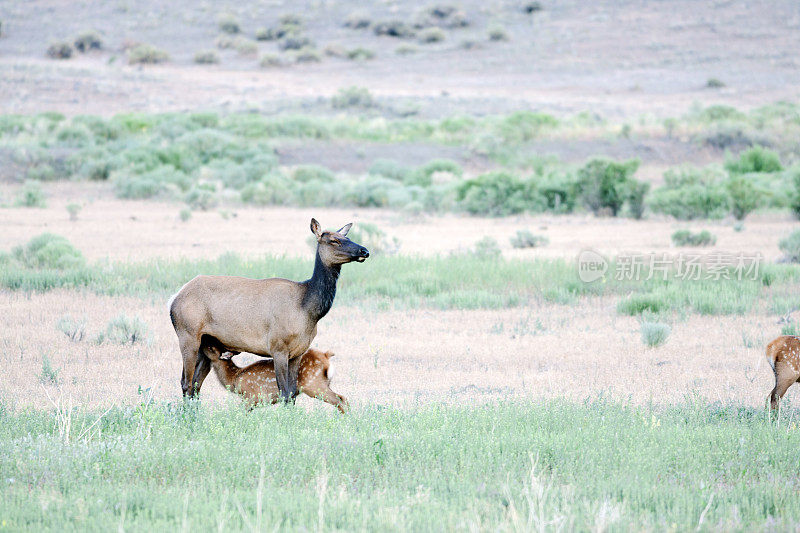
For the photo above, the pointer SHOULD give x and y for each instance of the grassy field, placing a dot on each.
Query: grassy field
(509, 466)
(481, 149)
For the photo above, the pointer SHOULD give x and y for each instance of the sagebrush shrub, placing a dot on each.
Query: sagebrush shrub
(393, 28)
(31, 195)
(146, 54)
(206, 57)
(60, 50)
(124, 330)
(691, 193)
(525, 239)
(654, 333)
(352, 97)
(685, 237)
(228, 23)
(358, 20)
(431, 35)
(88, 40)
(49, 251)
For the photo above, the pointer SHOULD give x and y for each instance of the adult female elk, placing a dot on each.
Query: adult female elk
(270, 317)
(256, 382)
(783, 355)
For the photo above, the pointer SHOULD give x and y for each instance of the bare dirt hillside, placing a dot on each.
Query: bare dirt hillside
(612, 57)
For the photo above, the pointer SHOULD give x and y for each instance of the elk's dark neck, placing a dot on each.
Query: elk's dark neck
(321, 289)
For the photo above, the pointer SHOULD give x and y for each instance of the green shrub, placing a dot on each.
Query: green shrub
(559, 191)
(305, 173)
(202, 196)
(124, 330)
(685, 237)
(424, 174)
(185, 214)
(49, 251)
(525, 239)
(146, 54)
(523, 126)
(307, 54)
(31, 195)
(358, 20)
(431, 35)
(74, 329)
(389, 168)
(206, 57)
(637, 190)
(691, 194)
(790, 246)
(744, 196)
(498, 33)
(246, 47)
(794, 195)
(60, 50)
(291, 19)
(274, 189)
(74, 135)
(271, 60)
(497, 194)
(228, 23)
(295, 42)
(373, 192)
(352, 97)
(360, 54)
(605, 185)
(486, 248)
(134, 187)
(88, 40)
(756, 159)
(48, 375)
(393, 28)
(714, 83)
(73, 210)
(406, 49)
(654, 333)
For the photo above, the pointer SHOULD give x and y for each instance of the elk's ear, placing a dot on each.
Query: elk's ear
(329, 354)
(344, 229)
(315, 229)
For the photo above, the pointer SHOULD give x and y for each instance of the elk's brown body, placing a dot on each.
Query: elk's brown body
(269, 317)
(257, 383)
(783, 355)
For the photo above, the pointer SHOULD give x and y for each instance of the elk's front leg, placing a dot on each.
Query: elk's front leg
(282, 376)
(294, 369)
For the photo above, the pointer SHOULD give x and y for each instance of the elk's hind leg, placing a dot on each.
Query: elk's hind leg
(785, 376)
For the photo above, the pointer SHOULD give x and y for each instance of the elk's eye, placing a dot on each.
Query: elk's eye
(335, 243)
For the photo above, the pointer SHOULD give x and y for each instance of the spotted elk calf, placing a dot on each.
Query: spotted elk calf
(256, 383)
(783, 355)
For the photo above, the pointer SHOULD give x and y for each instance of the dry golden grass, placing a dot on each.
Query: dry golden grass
(406, 356)
(548, 350)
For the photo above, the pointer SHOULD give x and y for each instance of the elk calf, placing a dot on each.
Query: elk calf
(783, 355)
(257, 383)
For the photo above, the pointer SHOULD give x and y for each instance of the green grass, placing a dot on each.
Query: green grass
(465, 281)
(507, 466)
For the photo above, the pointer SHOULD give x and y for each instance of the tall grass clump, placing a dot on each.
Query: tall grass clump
(146, 54)
(525, 239)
